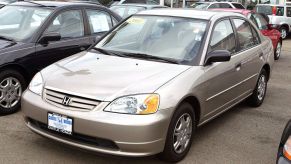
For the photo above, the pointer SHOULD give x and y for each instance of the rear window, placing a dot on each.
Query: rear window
(238, 6)
(270, 10)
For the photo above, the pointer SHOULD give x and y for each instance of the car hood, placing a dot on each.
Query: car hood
(106, 77)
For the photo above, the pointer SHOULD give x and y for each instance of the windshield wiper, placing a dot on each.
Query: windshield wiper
(146, 56)
(108, 52)
(6, 38)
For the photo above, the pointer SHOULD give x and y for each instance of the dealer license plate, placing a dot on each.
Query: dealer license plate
(60, 123)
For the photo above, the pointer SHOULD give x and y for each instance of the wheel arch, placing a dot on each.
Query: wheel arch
(286, 26)
(268, 70)
(194, 102)
(18, 68)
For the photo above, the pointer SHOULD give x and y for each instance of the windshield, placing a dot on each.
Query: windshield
(20, 22)
(172, 38)
(200, 5)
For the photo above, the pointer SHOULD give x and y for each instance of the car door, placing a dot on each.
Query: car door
(99, 22)
(70, 25)
(249, 56)
(288, 16)
(222, 77)
(262, 25)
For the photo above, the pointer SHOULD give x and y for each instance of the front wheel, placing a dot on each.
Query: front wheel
(179, 137)
(257, 98)
(12, 84)
(277, 53)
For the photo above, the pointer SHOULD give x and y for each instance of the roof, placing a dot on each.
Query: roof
(51, 3)
(218, 2)
(140, 5)
(241, 11)
(188, 13)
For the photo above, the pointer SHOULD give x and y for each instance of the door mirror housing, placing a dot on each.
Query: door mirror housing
(49, 37)
(217, 56)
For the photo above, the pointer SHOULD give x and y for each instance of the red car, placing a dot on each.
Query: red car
(261, 21)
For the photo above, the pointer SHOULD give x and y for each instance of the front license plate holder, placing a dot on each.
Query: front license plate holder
(60, 123)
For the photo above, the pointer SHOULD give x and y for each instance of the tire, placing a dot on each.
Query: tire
(277, 52)
(259, 93)
(170, 154)
(12, 84)
(284, 32)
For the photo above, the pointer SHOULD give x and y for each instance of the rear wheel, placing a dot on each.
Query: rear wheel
(277, 52)
(179, 137)
(12, 84)
(284, 32)
(258, 96)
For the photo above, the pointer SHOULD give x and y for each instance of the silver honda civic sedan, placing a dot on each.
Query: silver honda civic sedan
(147, 85)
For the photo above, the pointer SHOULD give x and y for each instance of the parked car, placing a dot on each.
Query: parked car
(284, 152)
(280, 15)
(150, 82)
(126, 10)
(214, 5)
(34, 35)
(267, 29)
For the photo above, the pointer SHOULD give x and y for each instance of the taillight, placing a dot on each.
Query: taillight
(274, 10)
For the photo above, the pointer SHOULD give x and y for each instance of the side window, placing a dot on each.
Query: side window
(288, 11)
(69, 24)
(261, 22)
(224, 5)
(223, 37)
(253, 19)
(213, 6)
(256, 36)
(280, 11)
(99, 21)
(244, 32)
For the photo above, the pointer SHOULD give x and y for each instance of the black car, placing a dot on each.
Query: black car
(36, 34)
(284, 152)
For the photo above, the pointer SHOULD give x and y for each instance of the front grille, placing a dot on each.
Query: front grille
(76, 103)
(79, 138)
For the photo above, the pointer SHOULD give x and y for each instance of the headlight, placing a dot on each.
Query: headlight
(135, 104)
(36, 84)
(287, 149)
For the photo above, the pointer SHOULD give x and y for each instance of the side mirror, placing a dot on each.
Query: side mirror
(217, 56)
(49, 37)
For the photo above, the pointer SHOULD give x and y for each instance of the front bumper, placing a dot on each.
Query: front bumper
(117, 134)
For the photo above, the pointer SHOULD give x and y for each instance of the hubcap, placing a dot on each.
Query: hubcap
(278, 50)
(182, 133)
(283, 33)
(261, 87)
(10, 92)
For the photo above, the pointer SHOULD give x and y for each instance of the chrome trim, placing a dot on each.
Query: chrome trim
(208, 99)
(209, 119)
(72, 93)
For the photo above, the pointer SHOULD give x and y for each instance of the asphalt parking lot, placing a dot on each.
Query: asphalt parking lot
(241, 135)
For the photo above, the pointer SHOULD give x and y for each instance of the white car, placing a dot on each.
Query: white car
(214, 5)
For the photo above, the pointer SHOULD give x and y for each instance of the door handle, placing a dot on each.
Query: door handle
(238, 66)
